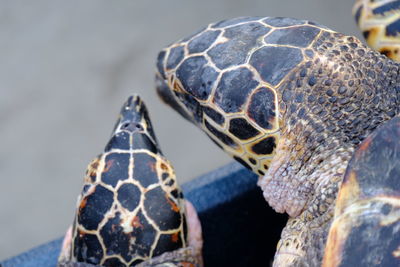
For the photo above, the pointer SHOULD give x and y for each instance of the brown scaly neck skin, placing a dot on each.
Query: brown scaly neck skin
(326, 110)
(327, 107)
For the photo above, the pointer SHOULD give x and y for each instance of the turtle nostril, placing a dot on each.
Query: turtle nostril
(125, 125)
(131, 126)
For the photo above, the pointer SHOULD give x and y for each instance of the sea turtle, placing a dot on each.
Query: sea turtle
(289, 99)
(131, 211)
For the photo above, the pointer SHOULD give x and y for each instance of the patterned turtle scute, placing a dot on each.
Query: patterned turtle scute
(240, 128)
(94, 204)
(176, 55)
(274, 63)
(131, 208)
(233, 89)
(262, 108)
(116, 168)
(194, 74)
(239, 41)
(299, 36)
(203, 41)
(293, 99)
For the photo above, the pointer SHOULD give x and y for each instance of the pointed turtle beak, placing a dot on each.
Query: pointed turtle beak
(133, 129)
(131, 116)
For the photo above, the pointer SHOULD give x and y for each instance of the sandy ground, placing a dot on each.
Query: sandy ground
(67, 66)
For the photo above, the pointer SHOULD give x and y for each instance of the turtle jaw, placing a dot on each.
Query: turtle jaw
(168, 96)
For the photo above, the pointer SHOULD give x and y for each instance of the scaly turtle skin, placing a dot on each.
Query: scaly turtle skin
(380, 23)
(290, 100)
(366, 226)
(131, 209)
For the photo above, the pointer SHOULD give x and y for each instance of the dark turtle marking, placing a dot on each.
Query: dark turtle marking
(274, 63)
(309, 97)
(131, 208)
(380, 23)
(238, 40)
(366, 226)
(233, 89)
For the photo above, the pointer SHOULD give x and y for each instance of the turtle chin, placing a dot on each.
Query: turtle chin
(281, 195)
(297, 182)
(281, 189)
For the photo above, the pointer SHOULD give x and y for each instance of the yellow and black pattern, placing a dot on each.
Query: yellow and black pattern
(290, 100)
(227, 77)
(379, 20)
(131, 208)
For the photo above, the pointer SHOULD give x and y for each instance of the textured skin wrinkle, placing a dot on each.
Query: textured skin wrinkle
(327, 97)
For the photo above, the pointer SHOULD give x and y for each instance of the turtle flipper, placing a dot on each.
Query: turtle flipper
(131, 208)
(379, 22)
(366, 226)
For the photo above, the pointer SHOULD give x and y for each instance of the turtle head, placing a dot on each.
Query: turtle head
(225, 98)
(259, 88)
(133, 129)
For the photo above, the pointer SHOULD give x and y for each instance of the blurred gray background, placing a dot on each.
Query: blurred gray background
(66, 67)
